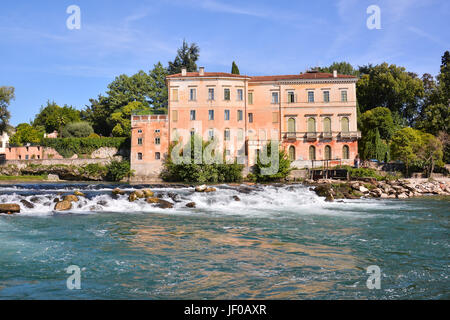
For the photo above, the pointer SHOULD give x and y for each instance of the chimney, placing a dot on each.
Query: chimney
(201, 71)
(184, 71)
(334, 73)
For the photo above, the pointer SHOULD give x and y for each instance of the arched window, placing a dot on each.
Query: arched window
(311, 125)
(292, 153)
(327, 125)
(312, 153)
(345, 152)
(139, 156)
(345, 125)
(291, 125)
(227, 135)
(327, 153)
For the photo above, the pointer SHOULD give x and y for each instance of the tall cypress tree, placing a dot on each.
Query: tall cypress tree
(234, 68)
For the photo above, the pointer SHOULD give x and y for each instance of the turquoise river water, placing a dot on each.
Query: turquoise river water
(278, 242)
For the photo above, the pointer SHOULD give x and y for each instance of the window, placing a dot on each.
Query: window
(139, 156)
(192, 115)
(27, 157)
(327, 153)
(345, 125)
(226, 135)
(240, 94)
(227, 115)
(312, 153)
(211, 134)
(291, 125)
(157, 131)
(274, 117)
(345, 152)
(344, 96)
(311, 125)
(38, 156)
(274, 97)
(292, 153)
(326, 96)
(240, 115)
(174, 94)
(291, 97)
(310, 96)
(192, 132)
(157, 140)
(327, 125)
(174, 115)
(250, 98)
(20, 157)
(192, 94)
(211, 114)
(226, 94)
(250, 117)
(240, 134)
(211, 94)
(139, 131)
(157, 155)
(139, 141)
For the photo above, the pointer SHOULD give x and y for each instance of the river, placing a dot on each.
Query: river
(277, 242)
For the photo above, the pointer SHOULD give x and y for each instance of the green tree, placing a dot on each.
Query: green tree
(187, 57)
(80, 129)
(158, 96)
(434, 116)
(6, 95)
(404, 146)
(341, 68)
(53, 117)
(234, 68)
(391, 87)
(377, 127)
(430, 152)
(25, 133)
(121, 119)
(284, 164)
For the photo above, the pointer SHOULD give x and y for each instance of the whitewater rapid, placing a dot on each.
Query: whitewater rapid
(256, 201)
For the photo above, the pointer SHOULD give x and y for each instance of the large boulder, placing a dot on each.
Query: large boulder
(9, 208)
(201, 188)
(63, 205)
(210, 190)
(148, 193)
(117, 191)
(191, 205)
(27, 204)
(163, 204)
(71, 198)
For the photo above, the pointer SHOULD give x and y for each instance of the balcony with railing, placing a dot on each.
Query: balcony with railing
(350, 135)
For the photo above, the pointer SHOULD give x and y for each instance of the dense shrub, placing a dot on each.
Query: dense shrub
(67, 147)
(77, 130)
(283, 170)
(201, 173)
(117, 170)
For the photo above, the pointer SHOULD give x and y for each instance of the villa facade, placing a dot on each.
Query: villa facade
(313, 115)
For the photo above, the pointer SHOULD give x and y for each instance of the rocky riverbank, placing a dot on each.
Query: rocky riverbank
(370, 188)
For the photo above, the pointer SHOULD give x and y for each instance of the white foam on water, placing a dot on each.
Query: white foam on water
(260, 201)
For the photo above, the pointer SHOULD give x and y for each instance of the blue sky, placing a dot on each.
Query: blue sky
(44, 60)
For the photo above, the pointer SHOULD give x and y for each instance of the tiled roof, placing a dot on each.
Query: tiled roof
(312, 75)
(304, 76)
(208, 74)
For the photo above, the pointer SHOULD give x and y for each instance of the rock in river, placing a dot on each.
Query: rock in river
(9, 208)
(63, 205)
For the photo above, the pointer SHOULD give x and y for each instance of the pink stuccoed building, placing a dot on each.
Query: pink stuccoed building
(312, 114)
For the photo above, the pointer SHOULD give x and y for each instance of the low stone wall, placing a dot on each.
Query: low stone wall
(49, 162)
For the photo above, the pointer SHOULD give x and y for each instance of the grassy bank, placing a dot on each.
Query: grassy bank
(24, 178)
